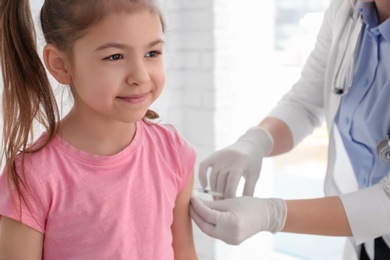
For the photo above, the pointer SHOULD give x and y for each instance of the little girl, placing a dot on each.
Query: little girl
(104, 182)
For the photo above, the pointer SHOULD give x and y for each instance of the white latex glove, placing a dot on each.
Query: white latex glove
(243, 158)
(234, 220)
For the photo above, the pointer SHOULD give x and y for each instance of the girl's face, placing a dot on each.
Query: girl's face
(117, 68)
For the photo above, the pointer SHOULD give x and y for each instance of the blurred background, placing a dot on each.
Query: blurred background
(228, 64)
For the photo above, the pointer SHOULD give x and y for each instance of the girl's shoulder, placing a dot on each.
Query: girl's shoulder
(165, 135)
(165, 143)
(39, 152)
(161, 132)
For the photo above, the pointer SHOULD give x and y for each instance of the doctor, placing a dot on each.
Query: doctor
(346, 81)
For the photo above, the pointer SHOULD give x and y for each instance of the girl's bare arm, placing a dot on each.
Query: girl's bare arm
(183, 241)
(18, 241)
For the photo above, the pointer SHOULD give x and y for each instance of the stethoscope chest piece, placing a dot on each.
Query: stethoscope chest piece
(383, 150)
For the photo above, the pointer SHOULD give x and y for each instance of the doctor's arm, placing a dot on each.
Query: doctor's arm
(362, 214)
(280, 133)
(234, 220)
(322, 216)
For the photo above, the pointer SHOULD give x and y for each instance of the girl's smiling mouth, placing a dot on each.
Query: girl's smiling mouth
(134, 99)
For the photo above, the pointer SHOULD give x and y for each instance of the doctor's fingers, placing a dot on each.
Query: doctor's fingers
(221, 181)
(202, 212)
(213, 162)
(202, 174)
(214, 178)
(201, 223)
(250, 184)
(232, 182)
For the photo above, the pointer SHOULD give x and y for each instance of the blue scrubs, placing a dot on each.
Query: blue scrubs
(363, 117)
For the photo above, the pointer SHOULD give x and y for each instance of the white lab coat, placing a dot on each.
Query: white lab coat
(306, 105)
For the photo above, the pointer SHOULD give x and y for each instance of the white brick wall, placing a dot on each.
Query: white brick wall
(197, 68)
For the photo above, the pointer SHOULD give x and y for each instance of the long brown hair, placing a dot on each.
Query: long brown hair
(27, 94)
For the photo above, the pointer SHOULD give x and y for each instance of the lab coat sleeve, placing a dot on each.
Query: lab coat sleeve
(302, 108)
(368, 211)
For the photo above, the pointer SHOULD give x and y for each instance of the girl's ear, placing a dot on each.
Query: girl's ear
(56, 64)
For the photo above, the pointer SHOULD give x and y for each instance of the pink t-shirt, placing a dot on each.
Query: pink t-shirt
(106, 207)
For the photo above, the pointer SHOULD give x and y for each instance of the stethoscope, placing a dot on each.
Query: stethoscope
(344, 74)
(383, 149)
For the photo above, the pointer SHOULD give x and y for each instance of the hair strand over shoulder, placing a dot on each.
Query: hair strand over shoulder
(27, 94)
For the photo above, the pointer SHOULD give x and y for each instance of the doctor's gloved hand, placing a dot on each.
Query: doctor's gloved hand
(234, 220)
(243, 158)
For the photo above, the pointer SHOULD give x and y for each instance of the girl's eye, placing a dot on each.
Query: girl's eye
(152, 54)
(114, 57)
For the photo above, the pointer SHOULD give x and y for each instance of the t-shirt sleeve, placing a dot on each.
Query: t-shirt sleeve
(187, 156)
(31, 209)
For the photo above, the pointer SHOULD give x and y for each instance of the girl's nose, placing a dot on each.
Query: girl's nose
(137, 73)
